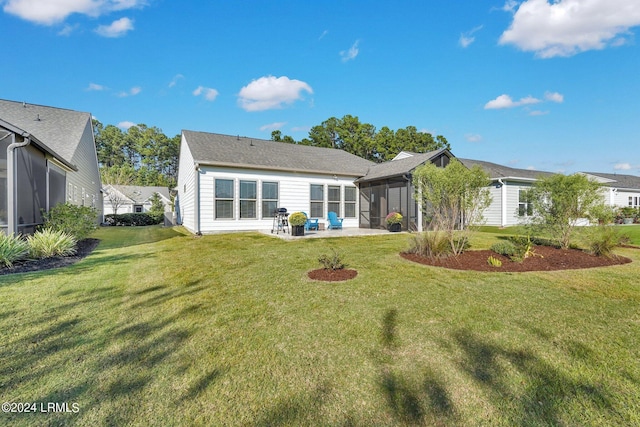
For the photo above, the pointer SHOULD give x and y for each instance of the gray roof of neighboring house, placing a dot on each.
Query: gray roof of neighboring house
(496, 171)
(59, 130)
(140, 194)
(400, 167)
(237, 151)
(618, 180)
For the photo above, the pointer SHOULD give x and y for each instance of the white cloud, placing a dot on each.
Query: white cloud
(49, 12)
(510, 6)
(554, 97)
(95, 87)
(125, 125)
(132, 92)
(175, 80)
(271, 92)
(68, 29)
(208, 93)
(568, 27)
(467, 38)
(116, 29)
(273, 126)
(350, 54)
(622, 166)
(324, 33)
(538, 113)
(505, 101)
(473, 137)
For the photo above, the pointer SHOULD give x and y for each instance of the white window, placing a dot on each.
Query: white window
(333, 199)
(269, 199)
(525, 208)
(223, 199)
(317, 201)
(248, 199)
(350, 202)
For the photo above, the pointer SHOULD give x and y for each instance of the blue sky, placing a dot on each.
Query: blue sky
(540, 84)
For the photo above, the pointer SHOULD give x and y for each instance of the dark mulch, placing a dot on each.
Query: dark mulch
(84, 248)
(328, 275)
(547, 259)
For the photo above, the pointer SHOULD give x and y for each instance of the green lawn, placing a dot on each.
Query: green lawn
(158, 327)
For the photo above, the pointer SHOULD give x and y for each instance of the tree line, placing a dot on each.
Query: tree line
(143, 155)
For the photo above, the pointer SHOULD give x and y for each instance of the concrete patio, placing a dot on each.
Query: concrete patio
(345, 232)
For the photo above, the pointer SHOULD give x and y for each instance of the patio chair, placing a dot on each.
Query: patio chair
(311, 224)
(334, 221)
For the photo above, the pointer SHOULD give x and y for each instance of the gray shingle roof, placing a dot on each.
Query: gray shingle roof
(140, 194)
(496, 171)
(58, 129)
(227, 150)
(400, 166)
(618, 180)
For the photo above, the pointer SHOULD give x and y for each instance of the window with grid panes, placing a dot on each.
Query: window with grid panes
(223, 199)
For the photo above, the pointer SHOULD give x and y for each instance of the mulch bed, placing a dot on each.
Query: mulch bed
(84, 248)
(328, 275)
(547, 259)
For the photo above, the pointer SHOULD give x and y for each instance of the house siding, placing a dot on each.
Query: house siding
(186, 186)
(87, 177)
(493, 214)
(293, 194)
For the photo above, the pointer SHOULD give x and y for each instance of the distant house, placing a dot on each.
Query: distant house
(47, 156)
(228, 183)
(619, 190)
(133, 199)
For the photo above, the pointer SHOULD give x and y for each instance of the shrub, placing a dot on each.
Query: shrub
(78, 221)
(524, 248)
(48, 243)
(12, 249)
(134, 219)
(331, 262)
(432, 244)
(297, 219)
(505, 248)
(494, 262)
(602, 240)
(394, 218)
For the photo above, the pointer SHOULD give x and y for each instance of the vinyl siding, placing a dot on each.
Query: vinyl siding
(87, 176)
(186, 183)
(493, 214)
(293, 192)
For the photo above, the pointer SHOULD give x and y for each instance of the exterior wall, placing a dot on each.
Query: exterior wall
(505, 206)
(186, 186)
(84, 185)
(621, 197)
(293, 194)
(493, 214)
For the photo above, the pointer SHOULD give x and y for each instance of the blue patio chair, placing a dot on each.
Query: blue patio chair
(311, 224)
(334, 221)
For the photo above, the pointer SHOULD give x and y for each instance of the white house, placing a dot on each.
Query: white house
(47, 156)
(619, 190)
(122, 199)
(229, 183)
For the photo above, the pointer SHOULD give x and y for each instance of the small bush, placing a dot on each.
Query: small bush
(12, 249)
(78, 221)
(523, 248)
(602, 240)
(297, 219)
(432, 244)
(332, 262)
(48, 243)
(134, 219)
(494, 262)
(505, 248)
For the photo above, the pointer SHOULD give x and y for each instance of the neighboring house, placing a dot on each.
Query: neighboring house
(133, 199)
(229, 183)
(47, 156)
(619, 190)
(509, 202)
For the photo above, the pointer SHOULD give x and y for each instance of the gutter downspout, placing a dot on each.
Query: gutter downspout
(196, 200)
(12, 205)
(503, 203)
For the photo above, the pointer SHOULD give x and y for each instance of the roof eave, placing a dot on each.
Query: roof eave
(274, 168)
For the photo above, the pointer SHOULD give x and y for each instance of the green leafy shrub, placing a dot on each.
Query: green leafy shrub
(332, 262)
(49, 243)
(12, 249)
(602, 240)
(78, 221)
(134, 219)
(432, 244)
(505, 248)
(297, 219)
(524, 248)
(494, 262)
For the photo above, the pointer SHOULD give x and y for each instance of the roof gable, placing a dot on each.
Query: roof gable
(404, 163)
(497, 171)
(243, 152)
(58, 129)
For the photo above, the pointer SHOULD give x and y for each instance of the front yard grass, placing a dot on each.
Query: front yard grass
(158, 327)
